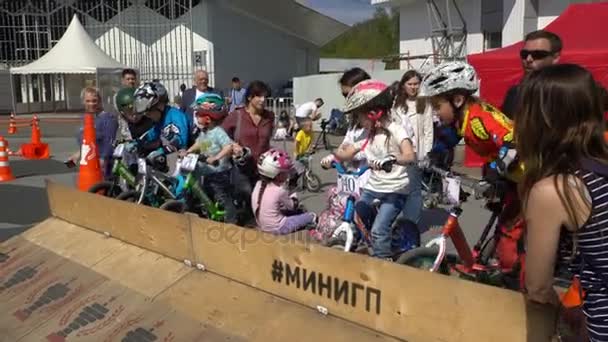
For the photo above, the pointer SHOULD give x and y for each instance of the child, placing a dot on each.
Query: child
(302, 149)
(270, 199)
(214, 143)
(388, 141)
(486, 131)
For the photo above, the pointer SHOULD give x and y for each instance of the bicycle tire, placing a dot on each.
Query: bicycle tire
(423, 258)
(174, 206)
(337, 243)
(129, 196)
(315, 185)
(109, 189)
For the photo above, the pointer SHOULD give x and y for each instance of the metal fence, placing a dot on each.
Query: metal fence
(279, 104)
(153, 36)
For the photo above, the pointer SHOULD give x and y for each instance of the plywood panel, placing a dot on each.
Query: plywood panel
(143, 271)
(150, 228)
(45, 297)
(397, 300)
(114, 313)
(256, 315)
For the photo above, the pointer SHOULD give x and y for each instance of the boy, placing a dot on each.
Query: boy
(214, 143)
(489, 133)
(302, 149)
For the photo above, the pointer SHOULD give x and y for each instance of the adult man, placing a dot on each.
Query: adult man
(106, 126)
(237, 95)
(309, 110)
(541, 49)
(129, 78)
(201, 85)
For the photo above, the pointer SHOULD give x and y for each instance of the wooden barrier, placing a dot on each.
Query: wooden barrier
(395, 300)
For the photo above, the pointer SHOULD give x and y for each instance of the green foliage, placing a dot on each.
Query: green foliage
(377, 37)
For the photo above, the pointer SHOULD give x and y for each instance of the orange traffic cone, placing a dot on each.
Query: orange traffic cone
(573, 297)
(12, 124)
(5, 170)
(90, 169)
(36, 149)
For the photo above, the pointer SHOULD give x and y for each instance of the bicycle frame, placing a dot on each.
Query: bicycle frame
(348, 217)
(150, 176)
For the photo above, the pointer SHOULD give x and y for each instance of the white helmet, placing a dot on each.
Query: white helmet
(273, 162)
(449, 76)
(149, 95)
(365, 91)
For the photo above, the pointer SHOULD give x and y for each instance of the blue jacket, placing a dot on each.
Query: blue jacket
(172, 130)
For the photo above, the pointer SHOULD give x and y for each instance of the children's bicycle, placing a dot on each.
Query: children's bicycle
(189, 193)
(122, 178)
(352, 236)
(476, 264)
(309, 180)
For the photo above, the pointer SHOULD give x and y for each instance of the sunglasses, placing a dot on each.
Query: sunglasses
(536, 54)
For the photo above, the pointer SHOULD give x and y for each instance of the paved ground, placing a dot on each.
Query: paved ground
(23, 201)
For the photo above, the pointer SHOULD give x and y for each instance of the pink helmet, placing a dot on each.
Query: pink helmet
(273, 162)
(364, 92)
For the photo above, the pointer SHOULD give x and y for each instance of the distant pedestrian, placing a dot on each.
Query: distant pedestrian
(129, 78)
(201, 86)
(309, 110)
(237, 95)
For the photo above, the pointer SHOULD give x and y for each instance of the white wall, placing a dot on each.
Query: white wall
(415, 28)
(250, 49)
(326, 86)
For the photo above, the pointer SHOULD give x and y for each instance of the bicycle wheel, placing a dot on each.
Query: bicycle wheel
(336, 243)
(174, 206)
(423, 258)
(129, 196)
(312, 182)
(106, 188)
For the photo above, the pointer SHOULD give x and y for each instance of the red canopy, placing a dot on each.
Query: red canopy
(583, 30)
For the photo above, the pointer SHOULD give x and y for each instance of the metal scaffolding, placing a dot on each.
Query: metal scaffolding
(153, 36)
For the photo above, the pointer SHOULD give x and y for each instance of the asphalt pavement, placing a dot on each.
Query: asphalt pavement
(23, 201)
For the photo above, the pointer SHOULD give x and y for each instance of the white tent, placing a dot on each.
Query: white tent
(75, 55)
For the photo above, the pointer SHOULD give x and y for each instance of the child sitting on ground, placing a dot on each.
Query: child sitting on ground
(216, 145)
(275, 210)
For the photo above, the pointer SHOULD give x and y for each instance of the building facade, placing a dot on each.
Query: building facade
(475, 25)
(271, 40)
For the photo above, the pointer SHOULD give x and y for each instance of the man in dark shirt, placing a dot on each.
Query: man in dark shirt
(541, 49)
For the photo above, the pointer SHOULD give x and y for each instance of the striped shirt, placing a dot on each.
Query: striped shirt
(592, 247)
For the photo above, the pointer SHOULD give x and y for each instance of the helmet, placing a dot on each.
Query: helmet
(363, 93)
(210, 105)
(449, 76)
(149, 95)
(274, 161)
(124, 100)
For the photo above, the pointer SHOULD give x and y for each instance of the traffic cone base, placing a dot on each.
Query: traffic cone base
(36, 149)
(5, 170)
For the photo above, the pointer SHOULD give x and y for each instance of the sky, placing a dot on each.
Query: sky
(347, 11)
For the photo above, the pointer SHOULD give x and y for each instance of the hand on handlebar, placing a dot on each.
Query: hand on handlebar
(385, 164)
(326, 161)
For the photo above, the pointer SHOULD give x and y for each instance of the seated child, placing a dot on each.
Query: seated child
(273, 206)
(216, 145)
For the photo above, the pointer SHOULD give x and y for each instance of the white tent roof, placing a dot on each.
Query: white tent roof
(74, 53)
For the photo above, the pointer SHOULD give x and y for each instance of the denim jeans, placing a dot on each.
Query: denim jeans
(412, 211)
(380, 223)
(219, 184)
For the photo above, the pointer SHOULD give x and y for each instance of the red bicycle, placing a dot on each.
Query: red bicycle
(477, 263)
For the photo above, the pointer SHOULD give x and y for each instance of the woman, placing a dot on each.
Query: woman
(559, 135)
(250, 127)
(418, 113)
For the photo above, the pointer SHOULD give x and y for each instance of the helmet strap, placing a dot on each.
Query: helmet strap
(375, 116)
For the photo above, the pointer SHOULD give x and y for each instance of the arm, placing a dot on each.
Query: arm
(407, 155)
(542, 238)
(285, 201)
(229, 124)
(428, 130)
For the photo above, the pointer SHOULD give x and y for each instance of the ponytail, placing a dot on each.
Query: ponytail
(265, 182)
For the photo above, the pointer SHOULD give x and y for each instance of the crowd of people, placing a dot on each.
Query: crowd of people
(546, 142)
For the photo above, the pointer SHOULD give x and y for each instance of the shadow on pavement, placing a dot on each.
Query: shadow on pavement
(27, 168)
(23, 206)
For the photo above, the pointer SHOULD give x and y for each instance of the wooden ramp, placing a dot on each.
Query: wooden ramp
(104, 270)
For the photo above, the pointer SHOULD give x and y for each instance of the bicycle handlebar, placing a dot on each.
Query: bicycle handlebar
(479, 187)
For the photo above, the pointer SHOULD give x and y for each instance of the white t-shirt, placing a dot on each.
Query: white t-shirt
(397, 180)
(306, 109)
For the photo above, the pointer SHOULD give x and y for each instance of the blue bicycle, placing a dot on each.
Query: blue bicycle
(352, 235)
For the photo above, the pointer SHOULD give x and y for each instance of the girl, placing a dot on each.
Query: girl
(418, 114)
(270, 199)
(559, 134)
(370, 101)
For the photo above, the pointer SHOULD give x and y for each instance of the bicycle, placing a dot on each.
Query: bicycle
(310, 180)
(122, 178)
(153, 187)
(189, 193)
(475, 263)
(352, 236)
